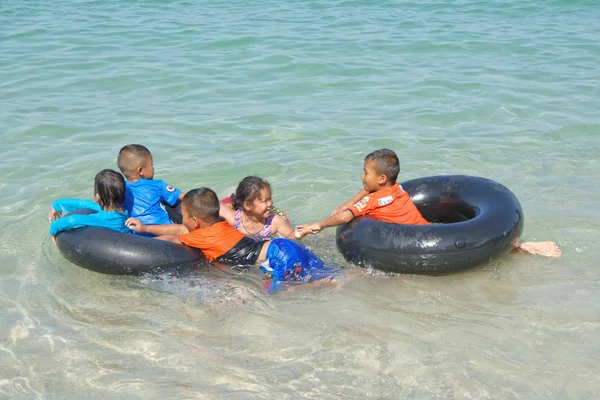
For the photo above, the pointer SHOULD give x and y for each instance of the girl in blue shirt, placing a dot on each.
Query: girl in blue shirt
(109, 195)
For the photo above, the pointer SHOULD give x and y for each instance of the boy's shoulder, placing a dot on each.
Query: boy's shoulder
(151, 184)
(385, 195)
(215, 229)
(386, 191)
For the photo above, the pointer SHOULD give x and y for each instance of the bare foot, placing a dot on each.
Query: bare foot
(546, 249)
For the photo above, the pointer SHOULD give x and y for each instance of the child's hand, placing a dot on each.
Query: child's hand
(308, 229)
(135, 225)
(53, 214)
(299, 233)
(53, 239)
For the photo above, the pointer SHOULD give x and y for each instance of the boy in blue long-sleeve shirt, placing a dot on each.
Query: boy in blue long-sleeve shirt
(144, 196)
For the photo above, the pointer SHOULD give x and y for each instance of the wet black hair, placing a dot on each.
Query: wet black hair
(109, 185)
(203, 204)
(248, 190)
(386, 163)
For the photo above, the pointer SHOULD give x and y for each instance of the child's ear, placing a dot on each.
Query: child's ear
(196, 222)
(247, 205)
(140, 171)
(383, 179)
(98, 200)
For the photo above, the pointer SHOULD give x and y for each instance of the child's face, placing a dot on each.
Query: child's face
(371, 180)
(260, 207)
(147, 169)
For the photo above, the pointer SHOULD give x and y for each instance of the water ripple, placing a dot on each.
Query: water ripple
(299, 92)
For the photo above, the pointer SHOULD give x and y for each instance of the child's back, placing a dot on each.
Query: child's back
(145, 197)
(223, 243)
(283, 259)
(109, 193)
(144, 200)
(390, 204)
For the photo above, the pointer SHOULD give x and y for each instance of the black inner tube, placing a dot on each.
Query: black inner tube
(118, 253)
(174, 212)
(473, 220)
(447, 211)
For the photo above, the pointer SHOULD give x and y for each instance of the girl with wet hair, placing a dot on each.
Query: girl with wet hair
(109, 194)
(252, 212)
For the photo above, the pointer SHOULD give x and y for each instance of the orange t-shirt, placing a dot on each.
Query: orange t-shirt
(214, 240)
(391, 204)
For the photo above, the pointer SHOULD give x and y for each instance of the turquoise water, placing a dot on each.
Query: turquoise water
(299, 92)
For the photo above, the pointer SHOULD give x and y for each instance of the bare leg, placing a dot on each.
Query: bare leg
(547, 249)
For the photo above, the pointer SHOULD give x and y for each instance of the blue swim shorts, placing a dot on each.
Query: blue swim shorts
(288, 260)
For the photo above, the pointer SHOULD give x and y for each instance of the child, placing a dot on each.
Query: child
(144, 196)
(384, 199)
(283, 259)
(251, 211)
(109, 194)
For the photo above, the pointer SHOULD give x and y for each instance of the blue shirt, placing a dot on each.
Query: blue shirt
(105, 219)
(144, 200)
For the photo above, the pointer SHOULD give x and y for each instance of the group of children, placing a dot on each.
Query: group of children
(239, 231)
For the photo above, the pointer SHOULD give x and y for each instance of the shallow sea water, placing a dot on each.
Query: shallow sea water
(298, 93)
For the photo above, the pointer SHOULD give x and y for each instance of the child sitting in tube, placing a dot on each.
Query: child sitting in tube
(250, 211)
(283, 260)
(109, 194)
(384, 199)
(144, 196)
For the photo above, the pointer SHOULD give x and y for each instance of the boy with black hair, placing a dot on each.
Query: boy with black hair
(381, 198)
(144, 196)
(202, 228)
(384, 199)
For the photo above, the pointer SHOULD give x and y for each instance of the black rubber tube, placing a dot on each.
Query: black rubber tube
(473, 221)
(174, 212)
(118, 253)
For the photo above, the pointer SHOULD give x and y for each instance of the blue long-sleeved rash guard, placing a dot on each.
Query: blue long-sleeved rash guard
(106, 219)
(143, 200)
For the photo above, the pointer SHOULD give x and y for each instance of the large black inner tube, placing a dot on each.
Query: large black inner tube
(117, 253)
(473, 221)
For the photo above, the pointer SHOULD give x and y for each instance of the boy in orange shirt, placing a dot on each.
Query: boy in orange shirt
(202, 228)
(384, 199)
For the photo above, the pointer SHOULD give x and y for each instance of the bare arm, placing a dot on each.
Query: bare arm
(282, 227)
(227, 212)
(335, 220)
(181, 196)
(170, 238)
(169, 229)
(353, 200)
